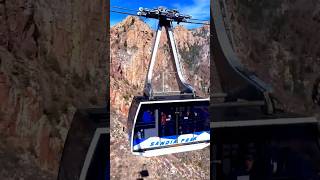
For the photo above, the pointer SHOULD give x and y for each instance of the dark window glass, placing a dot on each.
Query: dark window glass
(145, 125)
(183, 118)
(172, 119)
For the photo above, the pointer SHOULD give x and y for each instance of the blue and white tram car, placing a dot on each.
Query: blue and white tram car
(169, 124)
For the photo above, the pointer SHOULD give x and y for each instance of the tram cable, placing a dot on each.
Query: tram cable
(122, 8)
(123, 13)
(144, 12)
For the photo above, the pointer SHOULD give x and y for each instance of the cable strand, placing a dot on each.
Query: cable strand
(123, 13)
(198, 19)
(118, 7)
(190, 22)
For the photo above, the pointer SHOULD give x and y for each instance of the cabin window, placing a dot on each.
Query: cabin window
(145, 125)
(183, 118)
(171, 119)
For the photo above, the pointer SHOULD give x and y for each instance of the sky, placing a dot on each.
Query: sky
(198, 9)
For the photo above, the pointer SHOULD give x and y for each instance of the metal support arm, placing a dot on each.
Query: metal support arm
(183, 85)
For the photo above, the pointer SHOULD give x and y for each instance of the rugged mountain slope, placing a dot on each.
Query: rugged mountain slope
(52, 61)
(279, 40)
(131, 45)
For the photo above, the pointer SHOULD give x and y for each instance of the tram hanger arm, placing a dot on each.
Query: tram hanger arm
(183, 85)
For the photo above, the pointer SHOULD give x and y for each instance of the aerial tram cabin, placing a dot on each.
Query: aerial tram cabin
(165, 124)
(169, 124)
(86, 150)
(252, 138)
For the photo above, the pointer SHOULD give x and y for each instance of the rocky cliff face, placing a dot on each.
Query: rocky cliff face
(279, 40)
(52, 61)
(131, 43)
